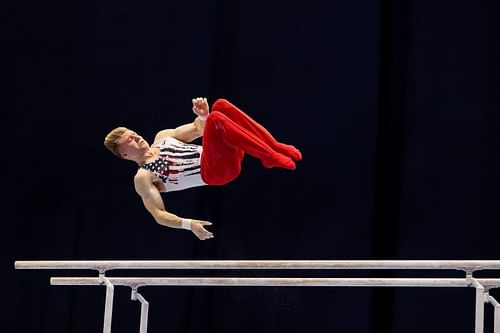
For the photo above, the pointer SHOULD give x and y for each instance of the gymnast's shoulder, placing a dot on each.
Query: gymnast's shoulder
(142, 178)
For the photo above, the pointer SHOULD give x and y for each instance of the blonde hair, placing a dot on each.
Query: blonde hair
(111, 140)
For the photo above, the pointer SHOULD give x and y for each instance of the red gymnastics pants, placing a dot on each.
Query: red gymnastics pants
(228, 134)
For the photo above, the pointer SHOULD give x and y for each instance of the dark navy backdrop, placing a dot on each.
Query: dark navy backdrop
(394, 105)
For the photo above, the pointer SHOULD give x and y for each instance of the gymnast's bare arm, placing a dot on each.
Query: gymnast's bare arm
(191, 131)
(153, 202)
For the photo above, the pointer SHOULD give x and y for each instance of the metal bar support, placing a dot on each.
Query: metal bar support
(496, 315)
(480, 300)
(144, 310)
(108, 309)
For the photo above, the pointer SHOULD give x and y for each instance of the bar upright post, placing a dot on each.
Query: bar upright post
(144, 310)
(480, 300)
(496, 314)
(108, 310)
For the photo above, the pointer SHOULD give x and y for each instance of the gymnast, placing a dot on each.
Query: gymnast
(173, 163)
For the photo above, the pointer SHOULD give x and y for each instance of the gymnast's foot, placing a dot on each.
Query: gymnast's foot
(290, 151)
(278, 160)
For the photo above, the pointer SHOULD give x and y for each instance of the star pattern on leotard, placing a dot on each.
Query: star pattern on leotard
(159, 167)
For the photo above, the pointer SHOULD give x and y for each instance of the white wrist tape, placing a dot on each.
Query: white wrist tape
(203, 118)
(186, 224)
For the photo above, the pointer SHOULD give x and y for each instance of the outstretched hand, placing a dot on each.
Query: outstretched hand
(200, 107)
(198, 228)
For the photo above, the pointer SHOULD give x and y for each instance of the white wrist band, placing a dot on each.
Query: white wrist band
(203, 118)
(186, 224)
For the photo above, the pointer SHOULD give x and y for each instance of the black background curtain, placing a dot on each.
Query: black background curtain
(394, 105)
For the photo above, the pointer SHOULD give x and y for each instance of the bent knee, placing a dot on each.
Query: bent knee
(221, 103)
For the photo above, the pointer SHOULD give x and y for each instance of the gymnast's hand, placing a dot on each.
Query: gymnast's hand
(197, 227)
(200, 107)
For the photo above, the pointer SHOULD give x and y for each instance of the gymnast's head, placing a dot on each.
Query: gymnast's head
(126, 144)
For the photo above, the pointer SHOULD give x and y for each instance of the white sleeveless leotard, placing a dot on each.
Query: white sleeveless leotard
(178, 164)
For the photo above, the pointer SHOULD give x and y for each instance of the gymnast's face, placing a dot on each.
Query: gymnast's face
(132, 145)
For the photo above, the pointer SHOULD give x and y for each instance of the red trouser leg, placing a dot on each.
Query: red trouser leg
(224, 145)
(242, 119)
